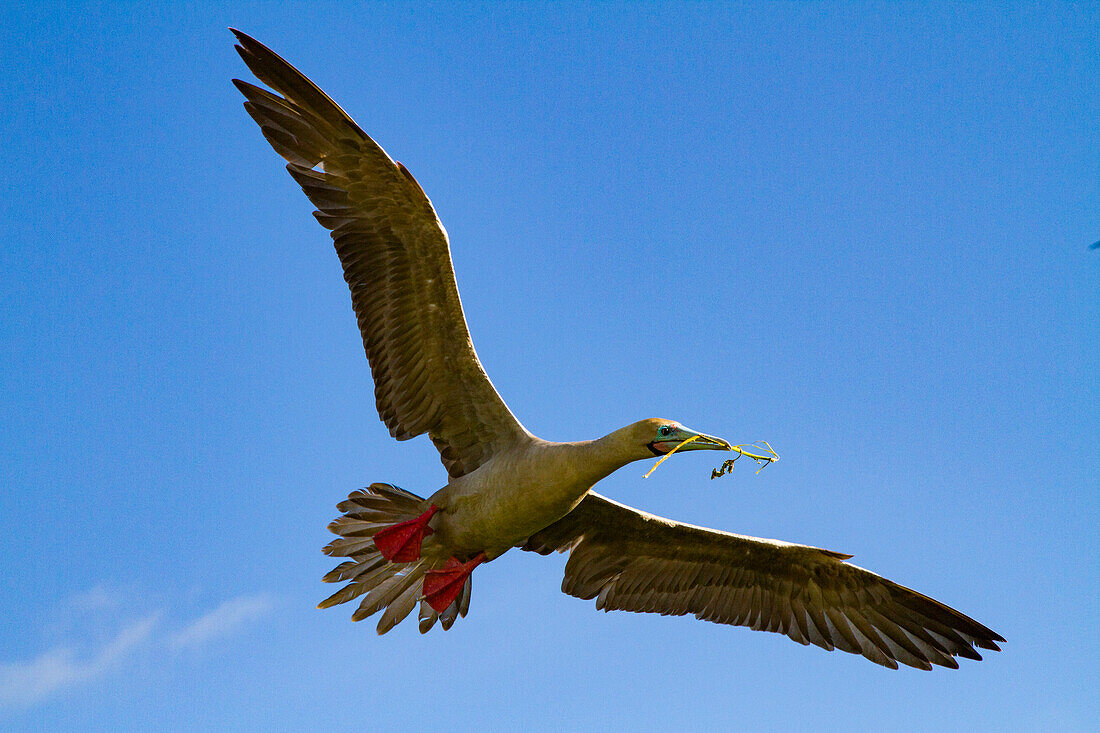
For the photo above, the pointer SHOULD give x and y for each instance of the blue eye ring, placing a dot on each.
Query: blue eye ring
(665, 430)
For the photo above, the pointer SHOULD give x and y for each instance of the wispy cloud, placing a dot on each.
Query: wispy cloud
(96, 598)
(223, 620)
(25, 683)
(66, 665)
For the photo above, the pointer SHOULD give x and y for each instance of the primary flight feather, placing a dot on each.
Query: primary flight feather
(507, 488)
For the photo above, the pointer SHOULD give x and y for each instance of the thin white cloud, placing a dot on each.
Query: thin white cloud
(25, 683)
(97, 598)
(223, 620)
(64, 666)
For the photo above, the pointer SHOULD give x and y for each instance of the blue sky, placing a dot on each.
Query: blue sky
(859, 232)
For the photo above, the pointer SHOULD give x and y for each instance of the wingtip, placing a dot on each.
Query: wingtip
(947, 663)
(247, 46)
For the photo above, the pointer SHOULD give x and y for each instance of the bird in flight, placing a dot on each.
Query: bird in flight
(507, 488)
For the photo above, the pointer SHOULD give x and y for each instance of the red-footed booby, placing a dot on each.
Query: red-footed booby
(507, 488)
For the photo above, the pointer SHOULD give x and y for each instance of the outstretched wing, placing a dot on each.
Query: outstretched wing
(397, 262)
(633, 561)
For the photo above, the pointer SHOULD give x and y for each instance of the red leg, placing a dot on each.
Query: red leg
(401, 542)
(442, 586)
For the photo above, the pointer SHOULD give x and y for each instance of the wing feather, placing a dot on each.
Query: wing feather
(397, 264)
(633, 561)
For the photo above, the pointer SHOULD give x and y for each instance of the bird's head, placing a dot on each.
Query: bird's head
(661, 436)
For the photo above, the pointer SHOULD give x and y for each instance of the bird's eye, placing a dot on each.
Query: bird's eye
(666, 430)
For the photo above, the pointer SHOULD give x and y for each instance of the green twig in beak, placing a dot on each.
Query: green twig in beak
(761, 461)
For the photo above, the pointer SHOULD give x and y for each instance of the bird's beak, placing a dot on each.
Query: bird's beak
(699, 441)
(705, 442)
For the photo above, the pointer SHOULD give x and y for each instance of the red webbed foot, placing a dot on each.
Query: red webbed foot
(401, 542)
(442, 586)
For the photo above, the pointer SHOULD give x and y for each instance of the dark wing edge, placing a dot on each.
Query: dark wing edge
(633, 561)
(396, 261)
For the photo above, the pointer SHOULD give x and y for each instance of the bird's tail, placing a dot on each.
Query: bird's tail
(395, 587)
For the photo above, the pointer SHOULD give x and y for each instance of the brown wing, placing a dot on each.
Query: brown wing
(397, 262)
(632, 561)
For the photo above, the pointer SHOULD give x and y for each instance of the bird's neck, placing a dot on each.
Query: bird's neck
(596, 459)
